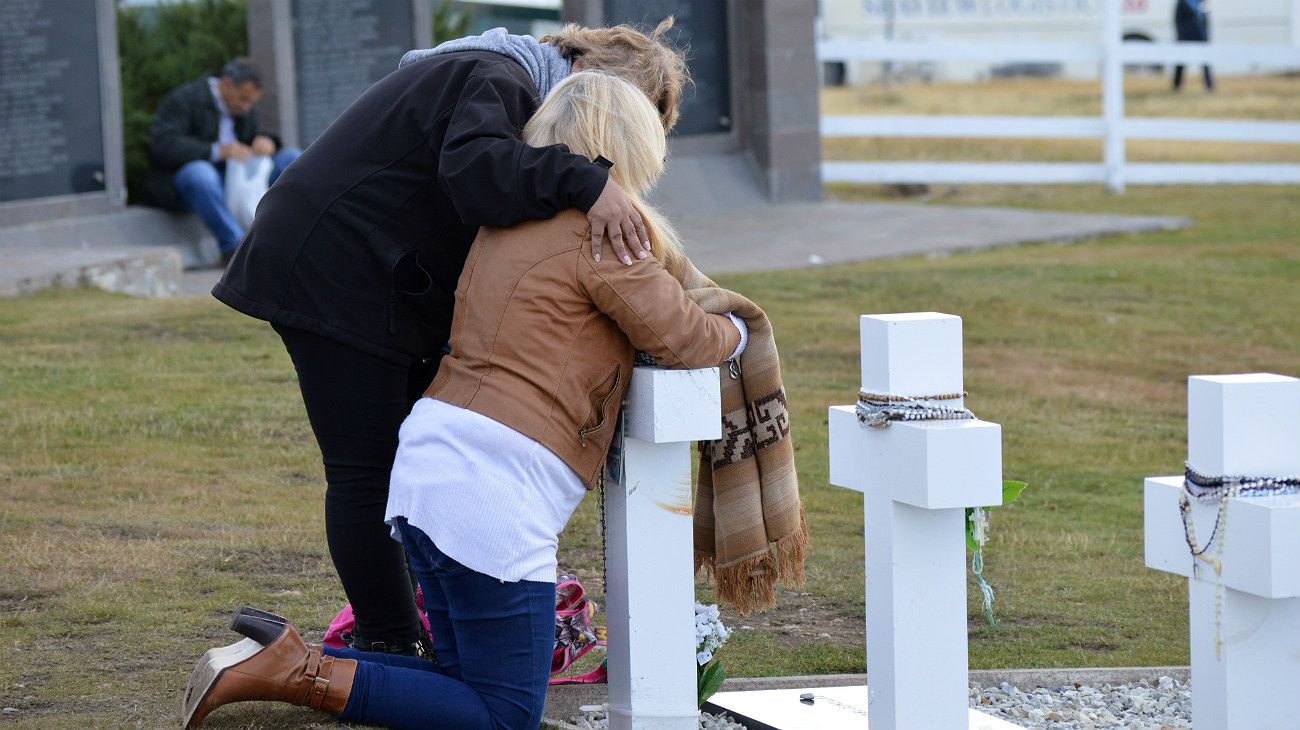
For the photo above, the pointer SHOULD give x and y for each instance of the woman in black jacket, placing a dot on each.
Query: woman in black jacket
(356, 250)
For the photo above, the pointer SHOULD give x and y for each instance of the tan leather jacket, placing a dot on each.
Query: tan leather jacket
(543, 337)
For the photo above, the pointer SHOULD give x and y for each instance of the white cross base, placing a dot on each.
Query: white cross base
(917, 478)
(1238, 425)
(649, 550)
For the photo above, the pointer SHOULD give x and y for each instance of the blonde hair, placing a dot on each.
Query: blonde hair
(600, 115)
(646, 60)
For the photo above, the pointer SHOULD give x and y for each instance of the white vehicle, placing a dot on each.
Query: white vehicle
(1244, 22)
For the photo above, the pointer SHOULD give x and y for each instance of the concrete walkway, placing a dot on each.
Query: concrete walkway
(764, 239)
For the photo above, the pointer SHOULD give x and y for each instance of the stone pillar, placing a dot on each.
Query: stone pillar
(318, 56)
(650, 596)
(917, 478)
(1245, 655)
(60, 111)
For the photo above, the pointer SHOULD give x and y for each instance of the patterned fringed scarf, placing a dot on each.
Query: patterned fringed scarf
(749, 520)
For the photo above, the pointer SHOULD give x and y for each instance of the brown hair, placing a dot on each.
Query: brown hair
(646, 60)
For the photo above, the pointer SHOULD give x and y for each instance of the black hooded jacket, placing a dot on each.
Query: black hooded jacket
(363, 238)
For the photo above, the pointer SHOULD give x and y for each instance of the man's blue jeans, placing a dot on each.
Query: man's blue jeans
(201, 186)
(493, 641)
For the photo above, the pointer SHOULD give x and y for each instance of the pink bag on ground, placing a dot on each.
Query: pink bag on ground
(345, 622)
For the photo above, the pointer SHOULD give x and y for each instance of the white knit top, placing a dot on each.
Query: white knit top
(488, 496)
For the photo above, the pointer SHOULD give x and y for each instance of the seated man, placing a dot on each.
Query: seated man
(198, 126)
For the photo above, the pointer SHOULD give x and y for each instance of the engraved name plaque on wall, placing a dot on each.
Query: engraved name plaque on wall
(51, 134)
(341, 48)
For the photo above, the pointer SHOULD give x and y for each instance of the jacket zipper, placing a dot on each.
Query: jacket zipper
(604, 402)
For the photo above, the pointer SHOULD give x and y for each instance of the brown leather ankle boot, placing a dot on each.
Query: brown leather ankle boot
(284, 670)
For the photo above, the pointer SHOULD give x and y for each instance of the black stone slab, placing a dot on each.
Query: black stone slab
(341, 47)
(700, 27)
(51, 128)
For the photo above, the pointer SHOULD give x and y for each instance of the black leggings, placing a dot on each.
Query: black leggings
(356, 402)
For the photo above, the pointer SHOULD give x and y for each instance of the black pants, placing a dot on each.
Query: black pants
(356, 402)
(1178, 77)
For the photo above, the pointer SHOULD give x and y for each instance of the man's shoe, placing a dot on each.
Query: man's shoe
(282, 669)
(421, 647)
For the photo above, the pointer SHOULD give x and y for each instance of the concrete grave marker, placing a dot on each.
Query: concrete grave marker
(917, 478)
(1245, 617)
(649, 548)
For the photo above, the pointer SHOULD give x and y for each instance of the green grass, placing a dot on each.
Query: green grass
(157, 469)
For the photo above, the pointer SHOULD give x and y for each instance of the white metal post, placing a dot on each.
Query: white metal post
(1238, 425)
(651, 590)
(917, 477)
(1112, 94)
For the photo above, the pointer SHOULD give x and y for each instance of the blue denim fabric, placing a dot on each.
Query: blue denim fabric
(201, 186)
(493, 641)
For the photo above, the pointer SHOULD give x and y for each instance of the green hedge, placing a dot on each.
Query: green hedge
(163, 46)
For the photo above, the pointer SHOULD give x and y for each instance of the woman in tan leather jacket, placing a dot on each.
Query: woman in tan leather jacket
(494, 460)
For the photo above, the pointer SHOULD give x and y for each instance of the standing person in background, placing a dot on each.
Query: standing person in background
(356, 251)
(198, 127)
(1192, 25)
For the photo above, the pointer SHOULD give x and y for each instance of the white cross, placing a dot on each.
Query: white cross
(649, 549)
(917, 478)
(1238, 425)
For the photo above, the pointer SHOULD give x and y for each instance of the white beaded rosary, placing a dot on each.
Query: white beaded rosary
(1202, 488)
(878, 410)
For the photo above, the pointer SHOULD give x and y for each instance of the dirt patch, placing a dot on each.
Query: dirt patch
(269, 563)
(801, 618)
(21, 600)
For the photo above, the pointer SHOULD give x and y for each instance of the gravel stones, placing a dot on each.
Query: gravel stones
(1163, 704)
(594, 718)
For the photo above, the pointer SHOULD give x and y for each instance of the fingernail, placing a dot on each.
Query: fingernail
(641, 254)
(627, 260)
(597, 258)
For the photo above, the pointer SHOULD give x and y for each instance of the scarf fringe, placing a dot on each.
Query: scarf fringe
(749, 584)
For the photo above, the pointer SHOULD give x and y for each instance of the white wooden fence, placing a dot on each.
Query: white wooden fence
(1112, 126)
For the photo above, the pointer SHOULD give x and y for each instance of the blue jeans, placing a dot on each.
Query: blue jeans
(201, 186)
(493, 641)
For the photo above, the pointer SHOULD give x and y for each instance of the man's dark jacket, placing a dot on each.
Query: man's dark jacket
(363, 238)
(184, 129)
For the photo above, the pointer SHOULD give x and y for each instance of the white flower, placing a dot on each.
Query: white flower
(710, 633)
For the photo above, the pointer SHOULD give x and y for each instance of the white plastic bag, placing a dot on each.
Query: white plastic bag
(246, 182)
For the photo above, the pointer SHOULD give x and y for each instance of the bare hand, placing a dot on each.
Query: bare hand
(235, 151)
(614, 215)
(263, 145)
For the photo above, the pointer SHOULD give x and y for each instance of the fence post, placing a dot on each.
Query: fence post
(648, 530)
(1244, 616)
(917, 478)
(1295, 23)
(1112, 94)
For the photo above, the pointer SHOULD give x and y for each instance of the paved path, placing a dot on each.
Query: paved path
(798, 236)
(765, 239)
